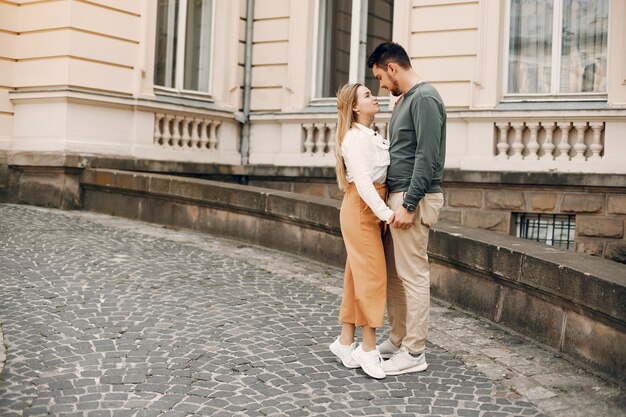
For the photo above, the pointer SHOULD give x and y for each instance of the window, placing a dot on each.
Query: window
(183, 44)
(552, 229)
(349, 30)
(557, 46)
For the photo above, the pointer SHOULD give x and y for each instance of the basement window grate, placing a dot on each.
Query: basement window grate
(551, 229)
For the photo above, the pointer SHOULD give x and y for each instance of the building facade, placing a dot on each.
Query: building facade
(535, 92)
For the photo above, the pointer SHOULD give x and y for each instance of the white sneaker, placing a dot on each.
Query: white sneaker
(344, 353)
(387, 349)
(403, 363)
(370, 362)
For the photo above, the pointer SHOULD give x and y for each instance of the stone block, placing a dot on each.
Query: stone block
(582, 203)
(159, 184)
(159, 211)
(498, 221)
(313, 210)
(531, 315)
(323, 247)
(280, 235)
(596, 226)
(462, 288)
(616, 251)
(617, 204)
(309, 188)
(596, 343)
(185, 215)
(131, 181)
(334, 192)
(493, 259)
(273, 185)
(465, 198)
(115, 204)
(48, 187)
(209, 220)
(229, 224)
(541, 201)
(509, 200)
(566, 276)
(593, 247)
(450, 215)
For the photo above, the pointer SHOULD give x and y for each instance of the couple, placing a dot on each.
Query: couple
(395, 183)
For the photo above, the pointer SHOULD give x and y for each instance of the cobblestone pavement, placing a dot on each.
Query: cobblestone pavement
(109, 317)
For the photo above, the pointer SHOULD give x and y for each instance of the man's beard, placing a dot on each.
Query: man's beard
(395, 89)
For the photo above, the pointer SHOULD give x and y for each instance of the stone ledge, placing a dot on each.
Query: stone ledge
(314, 211)
(564, 276)
(559, 179)
(570, 301)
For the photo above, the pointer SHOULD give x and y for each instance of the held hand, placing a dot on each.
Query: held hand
(391, 218)
(403, 219)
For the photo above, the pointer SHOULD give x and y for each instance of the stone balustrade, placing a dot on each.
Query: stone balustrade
(319, 138)
(179, 131)
(549, 140)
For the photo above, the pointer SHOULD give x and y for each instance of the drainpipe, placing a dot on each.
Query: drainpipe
(247, 75)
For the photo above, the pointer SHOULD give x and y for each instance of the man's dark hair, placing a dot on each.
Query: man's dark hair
(388, 52)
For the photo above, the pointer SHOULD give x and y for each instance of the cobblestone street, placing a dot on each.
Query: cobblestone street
(103, 316)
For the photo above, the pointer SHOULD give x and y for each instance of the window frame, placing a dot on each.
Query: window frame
(358, 51)
(179, 68)
(554, 95)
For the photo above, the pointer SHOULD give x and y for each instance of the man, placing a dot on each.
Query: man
(417, 133)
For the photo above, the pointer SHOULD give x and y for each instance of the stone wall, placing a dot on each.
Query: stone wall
(569, 301)
(479, 199)
(4, 178)
(600, 213)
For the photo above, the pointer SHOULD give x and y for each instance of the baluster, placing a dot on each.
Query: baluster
(533, 143)
(175, 132)
(308, 142)
(383, 130)
(332, 136)
(213, 135)
(202, 127)
(548, 146)
(167, 133)
(157, 129)
(320, 140)
(564, 145)
(503, 144)
(195, 139)
(518, 146)
(596, 147)
(580, 147)
(184, 132)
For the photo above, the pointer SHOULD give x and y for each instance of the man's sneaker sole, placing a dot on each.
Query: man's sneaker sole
(416, 368)
(332, 349)
(386, 355)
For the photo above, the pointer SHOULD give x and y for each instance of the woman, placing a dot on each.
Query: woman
(362, 160)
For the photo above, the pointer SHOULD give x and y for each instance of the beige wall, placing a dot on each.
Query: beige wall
(84, 44)
(444, 46)
(93, 60)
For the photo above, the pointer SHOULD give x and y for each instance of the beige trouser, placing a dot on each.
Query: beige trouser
(408, 273)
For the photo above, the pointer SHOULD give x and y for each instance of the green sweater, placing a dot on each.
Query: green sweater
(417, 134)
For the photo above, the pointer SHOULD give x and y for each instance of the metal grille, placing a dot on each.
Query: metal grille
(552, 229)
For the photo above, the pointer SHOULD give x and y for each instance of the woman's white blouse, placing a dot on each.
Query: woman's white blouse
(366, 155)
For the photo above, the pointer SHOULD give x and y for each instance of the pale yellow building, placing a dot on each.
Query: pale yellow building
(531, 86)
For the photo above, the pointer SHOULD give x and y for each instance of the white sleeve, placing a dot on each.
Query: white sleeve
(359, 159)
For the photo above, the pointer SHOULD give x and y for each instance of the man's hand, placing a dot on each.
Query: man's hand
(403, 219)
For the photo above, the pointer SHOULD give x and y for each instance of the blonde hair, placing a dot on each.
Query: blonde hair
(346, 118)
